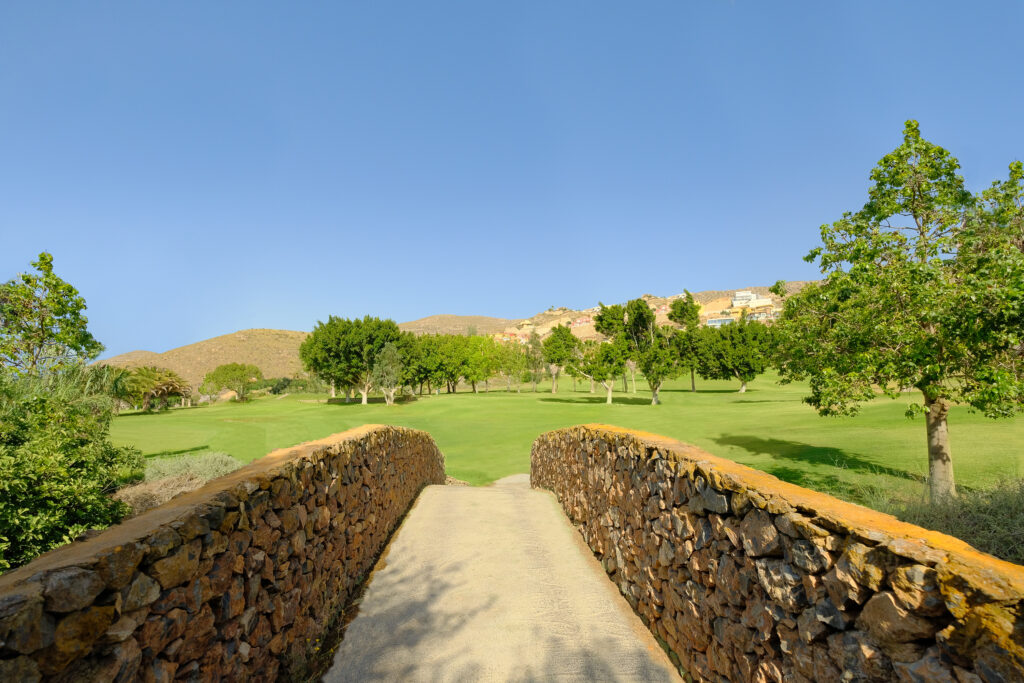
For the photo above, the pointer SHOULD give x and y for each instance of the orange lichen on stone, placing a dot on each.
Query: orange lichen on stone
(746, 577)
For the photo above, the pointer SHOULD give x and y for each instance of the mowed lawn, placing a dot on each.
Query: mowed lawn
(487, 436)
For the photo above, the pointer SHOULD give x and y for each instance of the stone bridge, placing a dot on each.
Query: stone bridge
(305, 564)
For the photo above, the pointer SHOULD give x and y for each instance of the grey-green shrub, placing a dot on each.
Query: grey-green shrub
(205, 466)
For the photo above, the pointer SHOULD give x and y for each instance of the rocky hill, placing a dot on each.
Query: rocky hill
(275, 352)
(457, 324)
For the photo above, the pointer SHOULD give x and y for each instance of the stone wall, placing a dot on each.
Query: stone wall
(231, 581)
(743, 577)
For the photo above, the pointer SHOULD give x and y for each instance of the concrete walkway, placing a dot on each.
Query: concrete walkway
(493, 584)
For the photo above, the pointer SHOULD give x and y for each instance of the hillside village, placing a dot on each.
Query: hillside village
(276, 352)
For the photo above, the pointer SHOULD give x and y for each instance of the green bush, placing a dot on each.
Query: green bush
(204, 465)
(57, 466)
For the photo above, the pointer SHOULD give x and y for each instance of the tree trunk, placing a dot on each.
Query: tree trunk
(348, 394)
(609, 385)
(655, 399)
(632, 379)
(334, 391)
(487, 386)
(593, 386)
(940, 457)
(625, 385)
(474, 386)
(364, 393)
(693, 381)
(743, 387)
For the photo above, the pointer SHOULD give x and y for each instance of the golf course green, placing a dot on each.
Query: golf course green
(487, 436)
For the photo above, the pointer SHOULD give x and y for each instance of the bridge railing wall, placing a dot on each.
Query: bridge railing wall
(744, 577)
(230, 581)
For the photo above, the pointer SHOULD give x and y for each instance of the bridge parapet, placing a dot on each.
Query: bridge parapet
(229, 581)
(744, 577)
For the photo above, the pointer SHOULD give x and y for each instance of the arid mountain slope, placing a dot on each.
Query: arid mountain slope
(457, 324)
(275, 352)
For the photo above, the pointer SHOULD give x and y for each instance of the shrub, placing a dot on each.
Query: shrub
(57, 466)
(167, 477)
(204, 465)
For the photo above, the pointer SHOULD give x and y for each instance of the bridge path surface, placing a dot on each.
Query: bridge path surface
(493, 584)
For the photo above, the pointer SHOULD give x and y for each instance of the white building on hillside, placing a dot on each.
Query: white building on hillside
(745, 299)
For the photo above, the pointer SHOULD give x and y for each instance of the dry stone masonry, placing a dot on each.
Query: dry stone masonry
(232, 581)
(743, 577)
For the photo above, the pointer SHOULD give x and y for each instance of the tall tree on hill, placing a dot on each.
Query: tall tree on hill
(559, 351)
(685, 312)
(740, 350)
(41, 322)
(923, 288)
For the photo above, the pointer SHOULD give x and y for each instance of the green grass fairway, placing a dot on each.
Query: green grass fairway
(488, 435)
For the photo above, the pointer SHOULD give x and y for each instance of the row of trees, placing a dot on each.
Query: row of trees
(634, 338)
(370, 354)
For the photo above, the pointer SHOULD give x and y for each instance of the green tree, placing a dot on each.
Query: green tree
(148, 383)
(740, 350)
(387, 371)
(453, 350)
(481, 360)
(535, 359)
(601, 362)
(57, 465)
(42, 327)
(923, 288)
(325, 353)
(559, 351)
(649, 345)
(512, 363)
(685, 312)
(238, 377)
(343, 352)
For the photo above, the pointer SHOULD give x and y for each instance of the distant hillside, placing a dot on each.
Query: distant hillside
(275, 352)
(457, 324)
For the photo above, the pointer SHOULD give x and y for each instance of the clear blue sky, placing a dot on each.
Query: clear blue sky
(202, 167)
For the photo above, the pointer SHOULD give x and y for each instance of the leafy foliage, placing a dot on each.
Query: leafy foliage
(238, 377)
(741, 350)
(42, 327)
(387, 371)
(148, 383)
(57, 465)
(923, 289)
(559, 352)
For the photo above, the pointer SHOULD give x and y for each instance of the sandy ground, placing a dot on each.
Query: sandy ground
(493, 584)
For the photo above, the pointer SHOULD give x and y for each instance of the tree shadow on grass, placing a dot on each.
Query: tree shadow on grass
(706, 391)
(592, 400)
(827, 456)
(180, 451)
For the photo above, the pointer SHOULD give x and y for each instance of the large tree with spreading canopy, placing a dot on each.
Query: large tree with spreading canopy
(923, 290)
